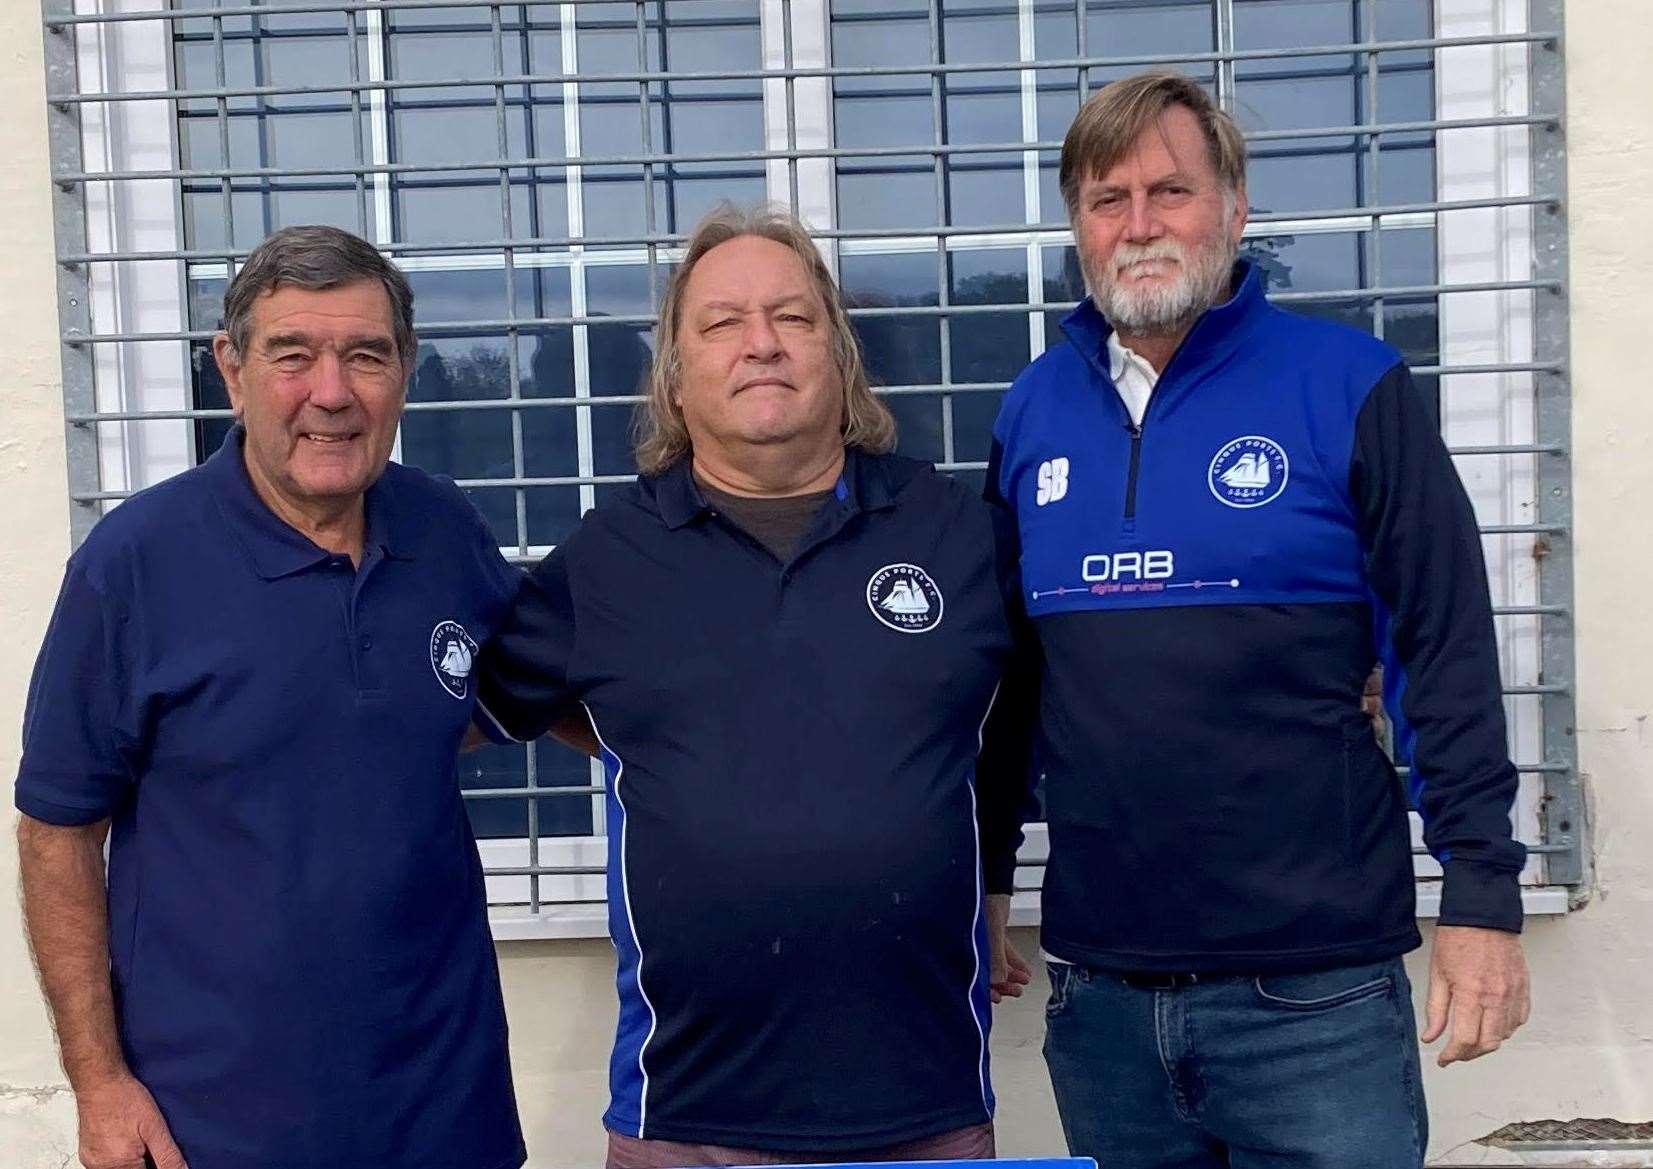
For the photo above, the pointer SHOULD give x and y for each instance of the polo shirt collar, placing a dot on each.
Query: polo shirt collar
(862, 486)
(275, 547)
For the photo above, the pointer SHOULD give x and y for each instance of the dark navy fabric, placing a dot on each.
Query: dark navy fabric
(303, 972)
(795, 878)
(1209, 591)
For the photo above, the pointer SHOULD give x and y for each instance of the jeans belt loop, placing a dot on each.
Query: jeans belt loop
(1158, 980)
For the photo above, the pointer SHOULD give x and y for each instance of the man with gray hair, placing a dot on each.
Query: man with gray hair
(1227, 514)
(788, 640)
(255, 685)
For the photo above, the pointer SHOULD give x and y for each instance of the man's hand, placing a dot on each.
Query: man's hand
(119, 1123)
(1009, 971)
(1371, 705)
(1478, 977)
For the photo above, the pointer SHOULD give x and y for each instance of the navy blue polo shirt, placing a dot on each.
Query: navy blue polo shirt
(302, 966)
(795, 876)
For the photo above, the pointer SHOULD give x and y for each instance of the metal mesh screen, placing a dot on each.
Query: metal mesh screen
(534, 167)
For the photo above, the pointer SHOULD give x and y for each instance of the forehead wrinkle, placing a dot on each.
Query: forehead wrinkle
(377, 342)
(1180, 167)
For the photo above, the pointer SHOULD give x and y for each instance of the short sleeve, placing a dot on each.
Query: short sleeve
(79, 732)
(522, 678)
(499, 576)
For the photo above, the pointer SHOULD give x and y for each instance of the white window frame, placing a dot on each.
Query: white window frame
(1472, 247)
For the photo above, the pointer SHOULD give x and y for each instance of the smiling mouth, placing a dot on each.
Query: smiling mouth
(774, 383)
(329, 439)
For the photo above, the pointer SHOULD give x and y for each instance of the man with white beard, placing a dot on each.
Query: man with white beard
(1227, 515)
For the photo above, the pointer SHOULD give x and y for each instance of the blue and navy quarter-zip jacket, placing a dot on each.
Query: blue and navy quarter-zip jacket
(1209, 591)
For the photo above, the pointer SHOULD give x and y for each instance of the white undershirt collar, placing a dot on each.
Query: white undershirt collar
(1133, 375)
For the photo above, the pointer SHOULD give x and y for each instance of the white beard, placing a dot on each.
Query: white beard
(1201, 280)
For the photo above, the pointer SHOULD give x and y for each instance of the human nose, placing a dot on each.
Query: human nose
(329, 388)
(762, 342)
(1142, 223)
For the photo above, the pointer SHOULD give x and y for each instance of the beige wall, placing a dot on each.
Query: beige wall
(36, 1111)
(1589, 1048)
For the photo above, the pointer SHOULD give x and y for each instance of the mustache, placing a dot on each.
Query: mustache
(1127, 254)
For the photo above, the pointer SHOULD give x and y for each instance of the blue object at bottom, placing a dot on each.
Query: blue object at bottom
(997, 1163)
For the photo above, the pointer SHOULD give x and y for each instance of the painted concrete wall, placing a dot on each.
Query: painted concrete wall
(1589, 1048)
(36, 1111)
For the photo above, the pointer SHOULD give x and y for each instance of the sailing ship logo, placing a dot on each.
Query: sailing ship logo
(1248, 472)
(904, 597)
(452, 654)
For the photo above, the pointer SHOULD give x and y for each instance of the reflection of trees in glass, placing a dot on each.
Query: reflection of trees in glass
(482, 372)
(1265, 253)
(620, 359)
(903, 351)
(990, 347)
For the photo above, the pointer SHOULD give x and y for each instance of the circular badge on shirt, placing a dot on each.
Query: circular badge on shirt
(1248, 472)
(904, 597)
(452, 654)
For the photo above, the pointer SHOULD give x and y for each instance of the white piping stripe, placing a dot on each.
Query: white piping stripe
(483, 710)
(631, 922)
(975, 920)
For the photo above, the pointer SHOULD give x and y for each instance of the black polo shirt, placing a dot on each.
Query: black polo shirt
(302, 968)
(795, 874)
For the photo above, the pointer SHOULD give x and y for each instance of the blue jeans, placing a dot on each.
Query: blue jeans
(1288, 1071)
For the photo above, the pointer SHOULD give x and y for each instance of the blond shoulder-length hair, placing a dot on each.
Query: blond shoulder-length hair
(661, 436)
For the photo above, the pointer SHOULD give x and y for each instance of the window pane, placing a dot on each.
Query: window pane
(494, 766)
(693, 117)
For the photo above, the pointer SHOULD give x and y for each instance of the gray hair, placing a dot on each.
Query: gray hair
(662, 437)
(316, 257)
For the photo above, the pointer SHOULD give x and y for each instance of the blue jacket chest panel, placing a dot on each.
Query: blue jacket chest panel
(1240, 486)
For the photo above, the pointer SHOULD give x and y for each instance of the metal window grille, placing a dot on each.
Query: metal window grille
(535, 167)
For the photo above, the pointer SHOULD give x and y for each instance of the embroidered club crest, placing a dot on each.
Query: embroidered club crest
(452, 655)
(1248, 472)
(904, 597)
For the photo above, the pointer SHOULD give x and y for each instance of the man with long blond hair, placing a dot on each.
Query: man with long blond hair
(1227, 514)
(788, 641)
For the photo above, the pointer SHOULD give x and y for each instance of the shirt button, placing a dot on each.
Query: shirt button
(367, 643)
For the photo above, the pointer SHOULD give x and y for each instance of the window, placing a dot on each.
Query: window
(534, 167)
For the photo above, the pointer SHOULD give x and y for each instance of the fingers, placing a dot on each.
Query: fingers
(1018, 966)
(1466, 1033)
(163, 1150)
(1440, 1000)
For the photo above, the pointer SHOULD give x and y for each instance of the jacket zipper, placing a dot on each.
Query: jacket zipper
(1136, 466)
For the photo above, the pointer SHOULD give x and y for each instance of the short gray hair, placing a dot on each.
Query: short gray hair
(316, 257)
(661, 436)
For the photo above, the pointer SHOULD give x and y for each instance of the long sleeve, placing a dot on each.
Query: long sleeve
(1005, 767)
(1423, 560)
